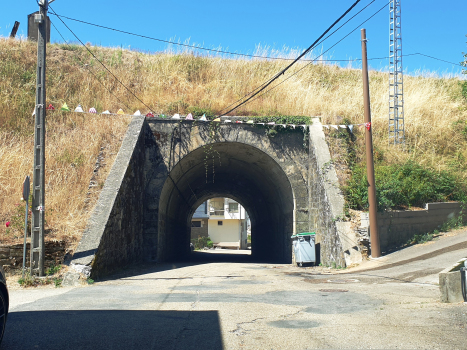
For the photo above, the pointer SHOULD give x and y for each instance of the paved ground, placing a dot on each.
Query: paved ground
(389, 303)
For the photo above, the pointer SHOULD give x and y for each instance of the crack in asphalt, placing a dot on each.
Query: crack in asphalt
(240, 331)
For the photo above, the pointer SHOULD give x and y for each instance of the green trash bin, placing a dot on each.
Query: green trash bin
(304, 247)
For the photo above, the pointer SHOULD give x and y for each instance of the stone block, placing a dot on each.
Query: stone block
(450, 283)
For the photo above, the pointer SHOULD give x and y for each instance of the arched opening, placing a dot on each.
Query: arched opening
(234, 170)
(221, 225)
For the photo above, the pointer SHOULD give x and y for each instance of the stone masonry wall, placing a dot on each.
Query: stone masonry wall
(338, 244)
(11, 257)
(113, 237)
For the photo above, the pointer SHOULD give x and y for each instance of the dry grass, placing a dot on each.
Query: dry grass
(174, 82)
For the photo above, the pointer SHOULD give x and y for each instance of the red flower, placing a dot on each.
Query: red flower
(7, 224)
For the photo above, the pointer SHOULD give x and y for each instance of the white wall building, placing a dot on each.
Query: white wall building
(227, 223)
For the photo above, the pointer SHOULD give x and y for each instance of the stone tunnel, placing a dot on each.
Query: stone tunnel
(166, 168)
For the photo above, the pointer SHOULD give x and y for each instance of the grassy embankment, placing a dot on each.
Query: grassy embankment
(435, 112)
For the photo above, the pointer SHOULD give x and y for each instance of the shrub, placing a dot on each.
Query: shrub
(405, 185)
(202, 242)
(199, 111)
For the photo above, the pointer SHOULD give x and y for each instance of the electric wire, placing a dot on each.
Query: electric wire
(90, 71)
(103, 65)
(199, 47)
(297, 59)
(237, 53)
(260, 86)
(323, 52)
(438, 59)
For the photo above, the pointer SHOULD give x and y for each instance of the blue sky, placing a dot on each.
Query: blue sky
(430, 27)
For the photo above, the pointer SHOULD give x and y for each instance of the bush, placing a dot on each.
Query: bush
(202, 242)
(402, 186)
(199, 111)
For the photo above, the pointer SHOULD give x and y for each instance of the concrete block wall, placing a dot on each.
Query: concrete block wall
(396, 227)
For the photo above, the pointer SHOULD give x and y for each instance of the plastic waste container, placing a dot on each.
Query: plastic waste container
(304, 247)
(464, 281)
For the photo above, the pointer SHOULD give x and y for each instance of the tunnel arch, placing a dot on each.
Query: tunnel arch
(238, 171)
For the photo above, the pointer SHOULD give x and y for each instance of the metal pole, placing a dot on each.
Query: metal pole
(38, 187)
(26, 189)
(374, 238)
(25, 237)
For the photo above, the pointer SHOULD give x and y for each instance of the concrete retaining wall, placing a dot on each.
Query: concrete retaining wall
(113, 237)
(397, 227)
(337, 241)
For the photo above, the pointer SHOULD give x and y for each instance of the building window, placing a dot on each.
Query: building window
(219, 223)
(196, 224)
(233, 207)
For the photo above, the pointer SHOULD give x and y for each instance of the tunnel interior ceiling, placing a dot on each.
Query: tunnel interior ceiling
(241, 172)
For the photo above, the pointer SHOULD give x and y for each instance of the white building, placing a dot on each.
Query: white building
(226, 223)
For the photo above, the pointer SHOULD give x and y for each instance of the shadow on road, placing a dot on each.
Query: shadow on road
(113, 329)
(195, 258)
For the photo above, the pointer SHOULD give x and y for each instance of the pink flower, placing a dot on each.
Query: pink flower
(7, 224)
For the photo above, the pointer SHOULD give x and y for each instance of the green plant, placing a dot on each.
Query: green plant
(202, 242)
(464, 89)
(90, 281)
(199, 111)
(421, 238)
(403, 186)
(53, 269)
(58, 282)
(27, 280)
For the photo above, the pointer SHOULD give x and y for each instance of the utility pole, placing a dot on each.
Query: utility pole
(38, 186)
(14, 30)
(370, 169)
(396, 79)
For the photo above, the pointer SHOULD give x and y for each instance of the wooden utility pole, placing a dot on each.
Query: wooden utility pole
(38, 186)
(370, 169)
(14, 30)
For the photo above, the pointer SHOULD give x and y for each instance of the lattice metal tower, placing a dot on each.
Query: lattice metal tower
(396, 81)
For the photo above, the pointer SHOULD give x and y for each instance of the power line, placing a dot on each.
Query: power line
(270, 80)
(90, 71)
(200, 47)
(438, 59)
(324, 52)
(236, 53)
(103, 65)
(298, 58)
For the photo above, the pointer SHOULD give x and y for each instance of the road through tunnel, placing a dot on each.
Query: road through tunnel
(166, 168)
(228, 169)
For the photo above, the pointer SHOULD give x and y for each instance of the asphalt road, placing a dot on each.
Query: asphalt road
(389, 303)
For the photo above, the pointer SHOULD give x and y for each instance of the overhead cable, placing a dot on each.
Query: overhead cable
(357, 27)
(103, 65)
(297, 59)
(237, 53)
(194, 46)
(89, 69)
(264, 83)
